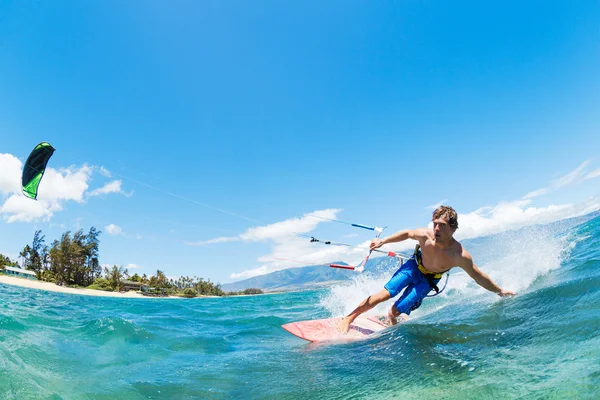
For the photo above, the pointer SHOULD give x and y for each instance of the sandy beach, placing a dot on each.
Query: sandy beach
(51, 287)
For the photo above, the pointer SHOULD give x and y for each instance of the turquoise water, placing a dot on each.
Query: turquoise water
(465, 343)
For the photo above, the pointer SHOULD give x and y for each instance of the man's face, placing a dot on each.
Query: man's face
(442, 230)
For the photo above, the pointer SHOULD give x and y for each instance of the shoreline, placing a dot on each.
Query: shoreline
(52, 287)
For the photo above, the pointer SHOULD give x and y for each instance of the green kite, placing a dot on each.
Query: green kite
(34, 169)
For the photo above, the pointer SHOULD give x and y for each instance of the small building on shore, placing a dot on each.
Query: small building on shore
(16, 271)
(127, 285)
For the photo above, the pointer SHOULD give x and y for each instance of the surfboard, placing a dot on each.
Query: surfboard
(323, 330)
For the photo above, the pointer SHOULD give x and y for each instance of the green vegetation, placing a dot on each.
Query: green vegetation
(102, 284)
(5, 261)
(246, 292)
(73, 261)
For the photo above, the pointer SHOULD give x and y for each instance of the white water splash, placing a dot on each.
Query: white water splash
(514, 260)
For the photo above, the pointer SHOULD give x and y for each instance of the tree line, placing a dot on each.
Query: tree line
(74, 261)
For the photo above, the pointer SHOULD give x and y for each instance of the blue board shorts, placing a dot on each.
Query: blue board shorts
(417, 287)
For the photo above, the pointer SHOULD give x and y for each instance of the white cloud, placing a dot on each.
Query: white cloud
(132, 266)
(113, 230)
(65, 184)
(104, 172)
(288, 228)
(77, 223)
(57, 187)
(574, 177)
(436, 205)
(517, 214)
(593, 174)
(279, 231)
(18, 208)
(536, 193)
(222, 239)
(262, 270)
(10, 174)
(290, 250)
(110, 187)
(294, 251)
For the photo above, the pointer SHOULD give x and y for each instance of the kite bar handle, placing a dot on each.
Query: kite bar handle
(363, 226)
(342, 266)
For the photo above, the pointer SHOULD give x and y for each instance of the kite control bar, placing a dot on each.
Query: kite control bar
(361, 266)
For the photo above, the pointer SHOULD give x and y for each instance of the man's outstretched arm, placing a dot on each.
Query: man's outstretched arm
(482, 279)
(416, 234)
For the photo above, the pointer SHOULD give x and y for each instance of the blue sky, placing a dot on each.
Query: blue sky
(272, 112)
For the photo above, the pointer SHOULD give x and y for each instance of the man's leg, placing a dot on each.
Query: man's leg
(409, 301)
(363, 307)
(401, 278)
(393, 315)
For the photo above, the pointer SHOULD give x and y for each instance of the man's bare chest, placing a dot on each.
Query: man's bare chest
(438, 260)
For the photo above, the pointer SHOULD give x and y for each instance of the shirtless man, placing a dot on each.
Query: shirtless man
(437, 252)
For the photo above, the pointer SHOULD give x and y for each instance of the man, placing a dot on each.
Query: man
(436, 253)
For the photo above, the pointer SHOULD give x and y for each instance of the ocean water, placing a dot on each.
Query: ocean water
(463, 344)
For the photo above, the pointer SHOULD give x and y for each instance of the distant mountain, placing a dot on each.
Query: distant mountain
(298, 278)
(292, 279)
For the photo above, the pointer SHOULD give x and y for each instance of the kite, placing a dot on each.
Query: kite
(34, 168)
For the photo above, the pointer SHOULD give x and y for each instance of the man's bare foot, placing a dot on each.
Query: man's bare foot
(394, 319)
(344, 325)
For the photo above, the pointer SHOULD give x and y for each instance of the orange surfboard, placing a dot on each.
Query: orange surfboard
(322, 330)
